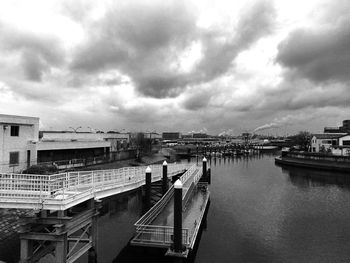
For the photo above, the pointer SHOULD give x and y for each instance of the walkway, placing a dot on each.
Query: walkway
(64, 190)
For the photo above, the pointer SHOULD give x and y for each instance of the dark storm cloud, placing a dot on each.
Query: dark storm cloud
(38, 53)
(300, 94)
(143, 40)
(256, 22)
(321, 54)
(33, 65)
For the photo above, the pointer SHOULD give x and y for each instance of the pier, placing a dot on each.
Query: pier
(67, 205)
(157, 228)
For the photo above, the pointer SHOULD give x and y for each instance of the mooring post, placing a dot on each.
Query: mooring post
(178, 216)
(165, 178)
(204, 167)
(148, 187)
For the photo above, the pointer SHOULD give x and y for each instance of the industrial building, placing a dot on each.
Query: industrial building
(345, 128)
(22, 145)
(171, 136)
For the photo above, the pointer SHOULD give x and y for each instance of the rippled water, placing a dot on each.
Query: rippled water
(259, 212)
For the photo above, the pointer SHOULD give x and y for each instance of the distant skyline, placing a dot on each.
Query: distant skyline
(273, 66)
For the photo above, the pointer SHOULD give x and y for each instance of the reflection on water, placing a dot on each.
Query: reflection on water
(304, 177)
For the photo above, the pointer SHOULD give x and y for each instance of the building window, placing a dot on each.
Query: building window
(347, 142)
(14, 130)
(14, 158)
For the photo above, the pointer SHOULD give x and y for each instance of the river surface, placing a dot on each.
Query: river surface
(259, 212)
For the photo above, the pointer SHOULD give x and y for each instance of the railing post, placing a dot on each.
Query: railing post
(148, 188)
(178, 216)
(165, 177)
(48, 181)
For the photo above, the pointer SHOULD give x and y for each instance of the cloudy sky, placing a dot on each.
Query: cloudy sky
(177, 65)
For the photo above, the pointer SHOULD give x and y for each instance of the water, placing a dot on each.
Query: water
(259, 212)
(262, 213)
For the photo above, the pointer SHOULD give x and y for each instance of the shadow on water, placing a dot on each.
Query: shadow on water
(307, 177)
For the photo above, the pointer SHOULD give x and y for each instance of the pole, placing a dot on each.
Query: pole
(204, 167)
(165, 178)
(178, 216)
(148, 187)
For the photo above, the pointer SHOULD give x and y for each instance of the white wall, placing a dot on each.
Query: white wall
(27, 139)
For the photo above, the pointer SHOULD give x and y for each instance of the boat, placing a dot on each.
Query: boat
(315, 160)
(265, 147)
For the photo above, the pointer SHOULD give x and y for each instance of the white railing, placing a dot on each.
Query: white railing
(151, 214)
(160, 235)
(188, 173)
(27, 185)
(71, 185)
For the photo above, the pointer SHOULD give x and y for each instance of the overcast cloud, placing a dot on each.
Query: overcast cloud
(228, 66)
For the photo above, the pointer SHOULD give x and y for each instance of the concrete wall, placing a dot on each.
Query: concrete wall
(318, 156)
(25, 141)
(123, 155)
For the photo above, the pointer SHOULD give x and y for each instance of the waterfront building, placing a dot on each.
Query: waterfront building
(19, 138)
(199, 135)
(171, 135)
(325, 142)
(343, 146)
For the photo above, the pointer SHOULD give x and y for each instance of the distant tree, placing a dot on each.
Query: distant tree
(322, 149)
(41, 169)
(303, 140)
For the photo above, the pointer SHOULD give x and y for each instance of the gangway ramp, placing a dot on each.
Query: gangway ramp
(65, 190)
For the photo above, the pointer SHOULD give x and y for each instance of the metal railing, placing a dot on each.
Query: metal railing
(159, 235)
(69, 186)
(151, 214)
(162, 235)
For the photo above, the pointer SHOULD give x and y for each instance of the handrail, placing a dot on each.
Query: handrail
(156, 209)
(159, 234)
(31, 188)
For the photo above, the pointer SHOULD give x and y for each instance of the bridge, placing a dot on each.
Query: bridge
(61, 225)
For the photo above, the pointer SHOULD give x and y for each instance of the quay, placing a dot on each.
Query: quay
(67, 205)
(315, 161)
